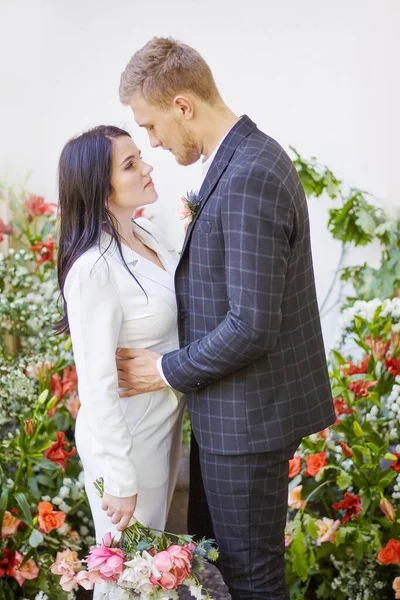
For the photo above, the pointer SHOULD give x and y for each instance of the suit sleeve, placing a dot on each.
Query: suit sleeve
(95, 317)
(257, 221)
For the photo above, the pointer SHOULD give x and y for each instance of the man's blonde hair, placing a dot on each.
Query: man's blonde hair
(164, 68)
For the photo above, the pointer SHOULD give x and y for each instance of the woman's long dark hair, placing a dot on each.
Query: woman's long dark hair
(85, 169)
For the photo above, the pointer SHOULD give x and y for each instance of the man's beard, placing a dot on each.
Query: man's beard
(190, 153)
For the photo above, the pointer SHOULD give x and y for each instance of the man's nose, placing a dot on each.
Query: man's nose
(154, 142)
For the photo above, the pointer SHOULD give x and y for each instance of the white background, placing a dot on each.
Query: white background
(319, 75)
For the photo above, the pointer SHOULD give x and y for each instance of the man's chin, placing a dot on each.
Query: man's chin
(185, 161)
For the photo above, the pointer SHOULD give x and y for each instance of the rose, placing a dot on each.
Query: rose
(108, 560)
(181, 560)
(68, 575)
(390, 554)
(326, 530)
(294, 466)
(295, 500)
(29, 570)
(10, 524)
(162, 575)
(50, 519)
(70, 557)
(87, 579)
(184, 211)
(314, 463)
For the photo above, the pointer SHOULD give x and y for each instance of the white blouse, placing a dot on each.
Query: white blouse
(108, 309)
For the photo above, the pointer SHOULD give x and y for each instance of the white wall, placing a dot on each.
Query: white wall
(321, 76)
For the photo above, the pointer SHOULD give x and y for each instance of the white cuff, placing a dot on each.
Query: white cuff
(160, 371)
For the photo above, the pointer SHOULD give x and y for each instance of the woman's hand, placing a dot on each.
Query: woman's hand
(119, 509)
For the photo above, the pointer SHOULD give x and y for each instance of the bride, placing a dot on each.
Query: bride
(117, 281)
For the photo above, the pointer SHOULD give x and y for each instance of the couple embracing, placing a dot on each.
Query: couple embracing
(230, 328)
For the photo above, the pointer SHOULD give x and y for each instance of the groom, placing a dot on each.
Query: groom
(251, 361)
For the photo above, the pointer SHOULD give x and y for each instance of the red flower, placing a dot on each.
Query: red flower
(390, 554)
(340, 409)
(61, 387)
(314, 463)
(294, 466)
(393, 365)
(6, 561)
(396, 463)
(44, 250)
(360, 388)
(352, 369)
(352, 505)
(56, 452)
(6, 229)
(36, 206)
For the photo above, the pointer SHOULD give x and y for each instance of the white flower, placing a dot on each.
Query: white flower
(83, 530)
(56, 500)
(196, 591)
(67, 481)
(41, 596)
(64, 491)
(46, 498)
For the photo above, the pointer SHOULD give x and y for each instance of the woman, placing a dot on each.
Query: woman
(117, 280)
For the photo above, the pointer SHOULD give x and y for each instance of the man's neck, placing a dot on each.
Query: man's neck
(218, 125)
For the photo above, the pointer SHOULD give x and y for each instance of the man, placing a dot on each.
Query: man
(252, 362)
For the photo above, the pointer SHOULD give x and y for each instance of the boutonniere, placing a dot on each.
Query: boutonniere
(190, 205)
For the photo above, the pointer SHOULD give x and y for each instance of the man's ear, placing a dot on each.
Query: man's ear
(185, 105)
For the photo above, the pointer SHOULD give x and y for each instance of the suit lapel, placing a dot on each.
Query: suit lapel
(239, 131)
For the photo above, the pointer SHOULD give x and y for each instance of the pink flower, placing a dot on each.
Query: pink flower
(163, 563)
(36, 206)
(326, 530)
(295, 500)
(69, 557)
(107, 560)
(396, 587)
(87, 579)
(181, 557)
(184, 211)
(73, 405)
(5, 229)
(10, 524)
(29, 570)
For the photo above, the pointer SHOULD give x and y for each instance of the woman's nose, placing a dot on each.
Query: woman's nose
(147, 169)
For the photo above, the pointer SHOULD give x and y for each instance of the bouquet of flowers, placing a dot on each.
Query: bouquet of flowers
(143, 564)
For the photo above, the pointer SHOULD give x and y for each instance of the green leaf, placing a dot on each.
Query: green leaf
(3, 502)
(43, 462)
(366, 221)
(298, 549)
(25, 508)
(344, 480)
(357, 429)
(390, 456)
(35, 538)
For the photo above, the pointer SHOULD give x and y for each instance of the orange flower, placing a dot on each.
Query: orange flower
(56, 452)
(387, 509)
(294, 466)
(347, 451)
(29, 570)
(50, 519)
(390, 554)
(360, 388)
(314, 463)
(29, 427)
(340, 409)
(326, 530)
(294, 500)
(352, 369)
(71, 559)
(62, 387)
(10, 524)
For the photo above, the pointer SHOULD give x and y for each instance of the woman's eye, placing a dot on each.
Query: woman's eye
(129, 165)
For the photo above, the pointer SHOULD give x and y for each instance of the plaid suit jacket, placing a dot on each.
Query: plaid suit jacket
(251, 360)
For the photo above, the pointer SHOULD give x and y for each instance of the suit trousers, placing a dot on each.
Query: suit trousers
(241, 501)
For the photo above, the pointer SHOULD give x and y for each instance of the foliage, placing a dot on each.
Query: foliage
(345, 481)
(358, 221)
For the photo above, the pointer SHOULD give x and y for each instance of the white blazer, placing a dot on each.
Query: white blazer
(108, 309)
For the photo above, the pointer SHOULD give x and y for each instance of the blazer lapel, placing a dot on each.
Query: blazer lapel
(239, 131)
